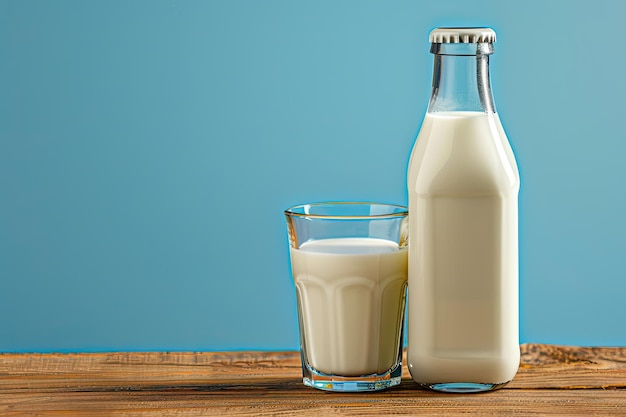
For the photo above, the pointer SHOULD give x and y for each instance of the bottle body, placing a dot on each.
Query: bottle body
(463, 262)
(463, 186)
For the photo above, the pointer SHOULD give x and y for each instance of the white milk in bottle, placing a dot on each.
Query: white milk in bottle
(463, 186)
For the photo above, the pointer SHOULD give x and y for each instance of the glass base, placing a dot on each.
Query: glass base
(463, 387)
(364, 383)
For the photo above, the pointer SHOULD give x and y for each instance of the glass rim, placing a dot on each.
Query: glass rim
(400, 211)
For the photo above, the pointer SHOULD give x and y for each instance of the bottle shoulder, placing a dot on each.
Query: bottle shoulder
(462, 152)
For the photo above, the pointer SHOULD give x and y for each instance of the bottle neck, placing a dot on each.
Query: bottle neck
(461, 78)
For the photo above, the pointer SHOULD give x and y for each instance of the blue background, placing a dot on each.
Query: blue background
(148, 148)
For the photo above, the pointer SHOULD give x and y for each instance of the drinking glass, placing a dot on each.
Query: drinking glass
(349, 266)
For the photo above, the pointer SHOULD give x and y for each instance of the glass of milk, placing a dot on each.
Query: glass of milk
(349, 265)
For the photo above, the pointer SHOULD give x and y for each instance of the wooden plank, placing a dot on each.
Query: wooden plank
(553, 380)
(133, 370)
(542, 366)
(245, 401)
(571, 367)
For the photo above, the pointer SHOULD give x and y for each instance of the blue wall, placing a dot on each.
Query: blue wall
(148, 148)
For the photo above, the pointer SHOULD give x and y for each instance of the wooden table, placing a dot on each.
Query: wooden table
(552, 380)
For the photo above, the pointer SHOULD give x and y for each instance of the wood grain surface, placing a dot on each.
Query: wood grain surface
(552, 380)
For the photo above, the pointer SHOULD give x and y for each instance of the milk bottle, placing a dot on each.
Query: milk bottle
(463, 186)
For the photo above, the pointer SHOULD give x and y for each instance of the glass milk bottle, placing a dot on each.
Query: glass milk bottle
(463, 186)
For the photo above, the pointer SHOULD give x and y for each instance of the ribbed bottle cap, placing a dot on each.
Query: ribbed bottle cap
(463, 35)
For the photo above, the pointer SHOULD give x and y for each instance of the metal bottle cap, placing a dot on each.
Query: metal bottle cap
(463, 35)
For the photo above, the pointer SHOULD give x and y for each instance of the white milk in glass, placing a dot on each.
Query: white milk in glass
(463, 312)
(351, 301)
